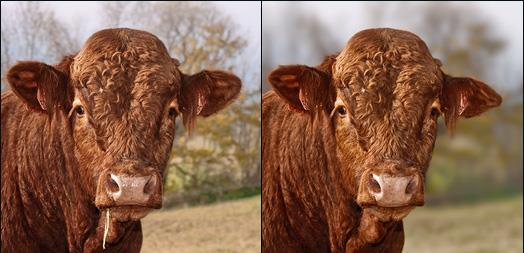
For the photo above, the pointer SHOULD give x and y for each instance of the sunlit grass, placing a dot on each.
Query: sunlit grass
(232, 226)
(494, 226)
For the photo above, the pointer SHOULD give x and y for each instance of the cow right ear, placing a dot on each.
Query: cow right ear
(466, 97)
(206, 93)
(40, 86)
(303, 87)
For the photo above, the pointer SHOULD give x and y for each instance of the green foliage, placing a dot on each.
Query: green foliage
(222, 155)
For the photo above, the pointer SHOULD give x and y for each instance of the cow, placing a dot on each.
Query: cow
(346, 144)
(85, 142)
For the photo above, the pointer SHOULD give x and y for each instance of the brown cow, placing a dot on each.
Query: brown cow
(85, 143)
(346, 144)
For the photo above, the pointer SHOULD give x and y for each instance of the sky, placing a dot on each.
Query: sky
(346, 18)
(245, 14)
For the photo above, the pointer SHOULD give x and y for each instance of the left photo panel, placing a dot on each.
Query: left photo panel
(131, 126)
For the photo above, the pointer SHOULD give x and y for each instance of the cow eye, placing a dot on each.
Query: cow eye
(435, 112)
(79, 110)
(173, 112)
(435, 109)
(341, 110)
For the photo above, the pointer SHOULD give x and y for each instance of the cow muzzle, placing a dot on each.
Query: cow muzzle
(129, 189)
(391, 193)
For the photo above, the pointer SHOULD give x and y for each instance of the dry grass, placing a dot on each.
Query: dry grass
(232, 226)
(235, 227)
(479, 228)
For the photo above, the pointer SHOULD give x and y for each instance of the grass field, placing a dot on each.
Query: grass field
(234, 226)
(489, 227)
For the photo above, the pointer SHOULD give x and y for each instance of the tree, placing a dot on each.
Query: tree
(226, 153)
(32, 32)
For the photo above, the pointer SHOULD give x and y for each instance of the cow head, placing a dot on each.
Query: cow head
(122, 93)
(384, 93)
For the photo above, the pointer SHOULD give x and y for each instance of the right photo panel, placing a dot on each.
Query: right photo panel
(392, 127)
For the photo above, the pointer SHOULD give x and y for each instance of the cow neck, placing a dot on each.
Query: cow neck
(78, 209)
(315, 187)
(51, 198)
(337, 203)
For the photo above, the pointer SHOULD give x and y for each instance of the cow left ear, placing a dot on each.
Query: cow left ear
(466, 97)
(302, 87)
(40, 86)
(206, 93)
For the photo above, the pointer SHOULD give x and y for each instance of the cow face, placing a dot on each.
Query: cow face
(384, 93)
(122, 93)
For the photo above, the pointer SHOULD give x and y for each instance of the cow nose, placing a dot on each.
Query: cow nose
(390, 191)
(131, 190)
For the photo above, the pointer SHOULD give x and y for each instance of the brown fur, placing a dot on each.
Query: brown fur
(52, 156)
(315, 155)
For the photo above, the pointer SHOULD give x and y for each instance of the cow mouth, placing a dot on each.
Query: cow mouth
(117, 218)
(129, 213)
(386, 214)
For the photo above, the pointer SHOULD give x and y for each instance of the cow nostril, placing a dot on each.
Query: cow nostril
(412, 186)
(112, 185)
(373, 185)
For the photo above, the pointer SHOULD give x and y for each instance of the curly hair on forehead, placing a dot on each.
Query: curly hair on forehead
(109, 52)
(114, 68)
(384, 48)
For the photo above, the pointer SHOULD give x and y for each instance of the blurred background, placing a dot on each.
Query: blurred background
(474, 184)
(212, 189)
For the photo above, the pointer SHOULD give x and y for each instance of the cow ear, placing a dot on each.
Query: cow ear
(466, 97)
(303, 87)
(206, 93)
(40, 86)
